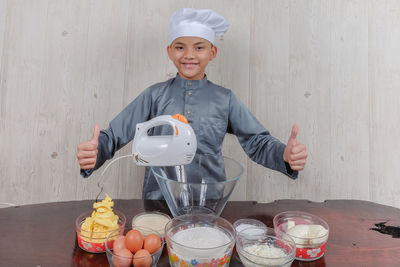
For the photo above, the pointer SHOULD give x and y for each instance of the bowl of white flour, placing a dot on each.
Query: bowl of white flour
(199, 239)
(264, 248)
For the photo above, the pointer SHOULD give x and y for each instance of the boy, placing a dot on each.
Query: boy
(211, 110)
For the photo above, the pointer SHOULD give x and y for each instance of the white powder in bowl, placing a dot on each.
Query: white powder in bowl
(265, 251)
(201, 243)
(201, 237)
(263, 254)
(255, 230)
(155, 221)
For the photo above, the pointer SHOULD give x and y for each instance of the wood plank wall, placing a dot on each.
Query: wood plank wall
(331, 66)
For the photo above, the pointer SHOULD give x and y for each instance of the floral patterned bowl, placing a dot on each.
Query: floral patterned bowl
(199, 240)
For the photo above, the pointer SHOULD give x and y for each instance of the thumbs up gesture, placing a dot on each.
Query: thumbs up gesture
(87, 151)
(295, 153)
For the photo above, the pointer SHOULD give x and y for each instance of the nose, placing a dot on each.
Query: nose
(188, 54)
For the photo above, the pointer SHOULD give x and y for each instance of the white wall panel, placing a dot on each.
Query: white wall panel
(58, 122)
(384, 85)
(349, 99)
(309, 103)
(269, 88)
(330, 66)
(22, 68)
(102, 95)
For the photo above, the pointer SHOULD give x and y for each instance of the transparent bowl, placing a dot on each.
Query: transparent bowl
(95, 242)
(242, 224)
(264, 249)
(199, 240)
(152, 219)
(307, 249)
(204, 186)
(117, 261)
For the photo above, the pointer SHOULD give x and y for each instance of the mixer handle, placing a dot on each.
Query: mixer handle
(162, 120)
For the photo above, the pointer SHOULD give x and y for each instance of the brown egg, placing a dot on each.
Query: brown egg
(122, 258)
(142, 258)
(119, 243)
(152, 243)
(134, 240)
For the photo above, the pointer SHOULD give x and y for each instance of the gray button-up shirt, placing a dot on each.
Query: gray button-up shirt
(211, 110)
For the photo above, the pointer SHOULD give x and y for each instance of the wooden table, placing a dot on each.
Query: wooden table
(44, 234)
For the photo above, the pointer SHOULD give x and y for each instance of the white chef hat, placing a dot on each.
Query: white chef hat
(193, 22)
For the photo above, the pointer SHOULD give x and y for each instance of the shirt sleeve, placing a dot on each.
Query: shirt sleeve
(255, 139)
(121, 129)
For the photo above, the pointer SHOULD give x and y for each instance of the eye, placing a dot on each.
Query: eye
(179, 47)
(199, 48)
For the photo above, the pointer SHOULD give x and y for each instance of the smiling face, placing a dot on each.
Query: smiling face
(191, 56)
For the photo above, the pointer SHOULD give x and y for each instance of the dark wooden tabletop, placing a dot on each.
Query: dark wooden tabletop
(44, 234)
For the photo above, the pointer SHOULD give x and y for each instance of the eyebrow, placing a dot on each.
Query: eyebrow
(198, 43)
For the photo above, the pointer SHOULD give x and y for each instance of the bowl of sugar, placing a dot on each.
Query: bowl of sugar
(199, 240)
(309, 232)
(264, 248)
(151, 219)
(256, 225)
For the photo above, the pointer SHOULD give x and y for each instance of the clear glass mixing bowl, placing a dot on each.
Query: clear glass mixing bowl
(203, 186)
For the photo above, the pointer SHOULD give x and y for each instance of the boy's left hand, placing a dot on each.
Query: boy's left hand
(295, 153)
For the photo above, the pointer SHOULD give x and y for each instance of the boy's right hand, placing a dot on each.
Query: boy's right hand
(87, 151)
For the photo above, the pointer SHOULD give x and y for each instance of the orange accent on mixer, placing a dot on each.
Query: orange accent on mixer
(181, 118)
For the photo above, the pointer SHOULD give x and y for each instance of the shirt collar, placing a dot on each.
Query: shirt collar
(190, 84)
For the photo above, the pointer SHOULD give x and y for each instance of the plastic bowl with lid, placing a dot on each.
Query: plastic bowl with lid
(264, 249)
(120, 261)
(309, 232)
(199, 240)
(94, 242)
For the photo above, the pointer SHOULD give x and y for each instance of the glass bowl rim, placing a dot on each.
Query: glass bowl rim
(205, 183)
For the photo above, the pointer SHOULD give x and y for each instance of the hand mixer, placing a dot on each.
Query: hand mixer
(176, 150)
(164, 150)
